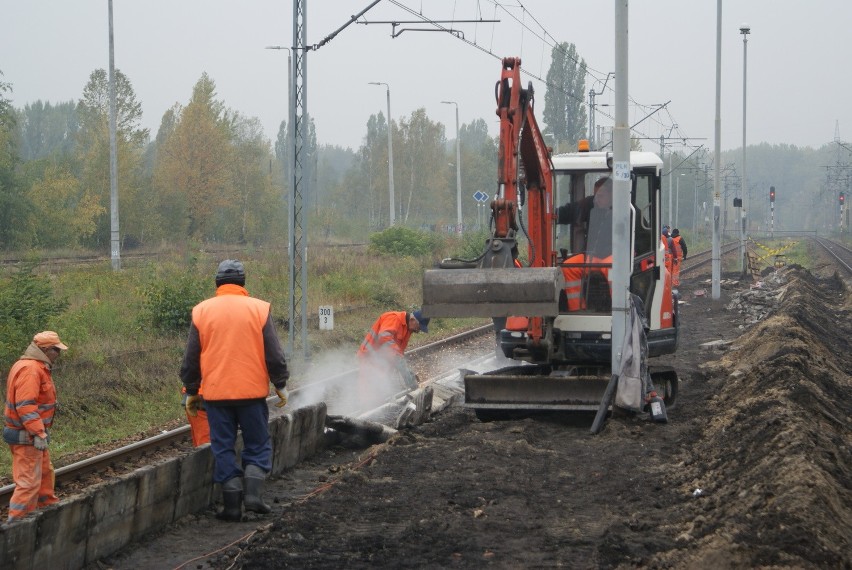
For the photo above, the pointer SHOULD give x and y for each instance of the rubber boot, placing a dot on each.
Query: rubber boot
(232, 497)
(255, 476)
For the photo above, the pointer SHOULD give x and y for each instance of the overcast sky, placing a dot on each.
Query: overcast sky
(799, 80)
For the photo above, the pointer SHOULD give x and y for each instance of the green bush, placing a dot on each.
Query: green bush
(471, 246)
(27, 306)
(400, 241)
(167, 304)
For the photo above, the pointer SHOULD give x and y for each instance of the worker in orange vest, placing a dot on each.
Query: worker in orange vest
(680, 253)
(234, 351)
(670, 251)
(381, 354)
(30, 405)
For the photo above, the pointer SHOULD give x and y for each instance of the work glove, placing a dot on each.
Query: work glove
(39, 443)
(282, 395)
(193, 403)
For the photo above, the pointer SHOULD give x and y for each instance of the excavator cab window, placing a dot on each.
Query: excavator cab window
(584, 238)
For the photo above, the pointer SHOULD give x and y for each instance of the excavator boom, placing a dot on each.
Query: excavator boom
(524, 186)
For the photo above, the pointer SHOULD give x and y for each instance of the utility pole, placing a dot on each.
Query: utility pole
(745, 30)
(299, 184)
(592, 94)
(390, 155)
(114, 236)
(717, 161)
(458, 171)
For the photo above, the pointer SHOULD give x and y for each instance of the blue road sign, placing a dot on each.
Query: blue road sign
(480, 196)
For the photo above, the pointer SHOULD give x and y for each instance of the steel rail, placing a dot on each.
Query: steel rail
(181, 435)
(834, 249)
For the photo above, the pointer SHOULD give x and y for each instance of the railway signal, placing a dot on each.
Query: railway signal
(842, 199)
(772, 193)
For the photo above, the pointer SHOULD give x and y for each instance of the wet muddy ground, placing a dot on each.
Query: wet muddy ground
(754, 468)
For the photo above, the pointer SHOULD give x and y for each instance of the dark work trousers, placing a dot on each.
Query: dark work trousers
(252, 417)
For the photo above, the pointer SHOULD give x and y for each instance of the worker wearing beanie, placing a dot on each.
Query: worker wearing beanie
(30, 404)
(234, 351)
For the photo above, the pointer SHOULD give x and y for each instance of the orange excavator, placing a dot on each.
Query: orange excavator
(552, 308)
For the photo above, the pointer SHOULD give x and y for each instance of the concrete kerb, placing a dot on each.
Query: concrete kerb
(83, 529)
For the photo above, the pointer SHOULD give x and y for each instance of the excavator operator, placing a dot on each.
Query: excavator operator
(584, 285)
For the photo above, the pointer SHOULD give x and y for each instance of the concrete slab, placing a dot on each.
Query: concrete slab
(156, 498)
(17, 543)
(720, 344)
(113, 508)
(62, 537)
(195, 482)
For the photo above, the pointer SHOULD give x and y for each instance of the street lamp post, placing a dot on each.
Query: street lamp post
(745, 30)
(390, 154)
(115, 236)
(458, 170)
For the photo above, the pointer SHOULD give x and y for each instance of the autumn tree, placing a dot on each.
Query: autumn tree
(193, 169)
(260, 208)
(64, 213)
(479, 164)
(94, 153)
(564, 109)
(372, 180)
(424, 159)
(13, 206)
(45, 129)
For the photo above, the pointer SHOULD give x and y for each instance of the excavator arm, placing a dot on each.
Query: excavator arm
(524, 170)
(497, 287)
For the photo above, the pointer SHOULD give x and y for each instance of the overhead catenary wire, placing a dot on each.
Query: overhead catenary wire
(547, 39)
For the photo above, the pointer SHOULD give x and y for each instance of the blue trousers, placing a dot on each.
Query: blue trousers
(253, 419)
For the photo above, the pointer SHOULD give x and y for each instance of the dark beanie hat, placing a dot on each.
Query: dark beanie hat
(230, 271)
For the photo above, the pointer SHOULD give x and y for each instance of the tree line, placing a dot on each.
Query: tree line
(209, 174)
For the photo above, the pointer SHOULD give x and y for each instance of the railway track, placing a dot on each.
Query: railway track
(841, 254)
(126, 457)
(704, 258)
(135, 257)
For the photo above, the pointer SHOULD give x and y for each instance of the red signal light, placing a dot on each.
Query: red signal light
(772, 193)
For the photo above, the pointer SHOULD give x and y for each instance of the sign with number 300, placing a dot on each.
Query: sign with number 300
(326, 318)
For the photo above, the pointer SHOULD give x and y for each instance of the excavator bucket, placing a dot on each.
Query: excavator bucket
(531, 291)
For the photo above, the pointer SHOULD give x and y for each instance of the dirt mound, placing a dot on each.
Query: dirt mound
(771, 471)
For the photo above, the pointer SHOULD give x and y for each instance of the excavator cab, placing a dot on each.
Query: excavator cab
(583, 239)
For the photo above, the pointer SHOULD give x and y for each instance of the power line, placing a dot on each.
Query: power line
(553, 44)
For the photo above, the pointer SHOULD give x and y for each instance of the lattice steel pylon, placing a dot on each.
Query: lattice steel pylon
(299, 185)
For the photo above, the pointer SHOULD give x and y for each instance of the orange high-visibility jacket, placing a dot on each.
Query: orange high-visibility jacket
(670, 252)
(390, 331)
(230, 332)
(30, 398)
(679, 249)
(574, 278)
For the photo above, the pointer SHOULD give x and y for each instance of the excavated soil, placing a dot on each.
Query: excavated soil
(753, 470)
